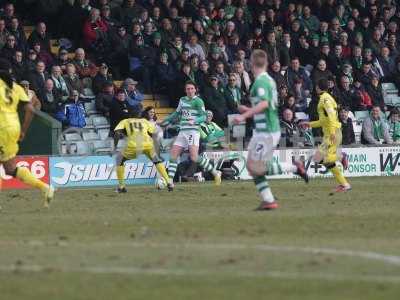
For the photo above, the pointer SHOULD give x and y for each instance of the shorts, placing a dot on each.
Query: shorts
(187, 138)
(328, 150)
(262, 145)
(132, 152)
(9, 137)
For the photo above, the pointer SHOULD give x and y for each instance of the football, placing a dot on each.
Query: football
(160, 183)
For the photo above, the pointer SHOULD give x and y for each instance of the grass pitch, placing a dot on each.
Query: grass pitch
(204, 242)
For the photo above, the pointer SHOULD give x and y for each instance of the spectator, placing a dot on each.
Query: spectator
(394, 125)
(74, 111)
(16, 30)
(347, 95)
(95, 32)
(374, 90)
(63, 59)
(38, 77)
(49, 97)
(291, 134)
(210, 133)
(300, 95)
(320, 71)
(215, 101)
(296, 71)
(164, 76)
(18, 66)
(365, 101)
(43, 55)
(102, 76)
(31, 94)
(140, 64)
(119, 110)
(105, 98)
(84, 67)
(133, 96)
(40, 35)
(375, 130)
(243, 78)
(9, 49)
(120, 43)
(275, 73)
(348, 136)
(31, 61)
(72, 79)
(233, 94)
(194, 47)
(59, 82)
(386, 64)
(221, 74)
(3, 33)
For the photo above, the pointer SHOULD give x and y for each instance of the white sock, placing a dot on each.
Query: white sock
(266, 195)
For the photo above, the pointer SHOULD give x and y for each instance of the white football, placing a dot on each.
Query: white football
(160, 183)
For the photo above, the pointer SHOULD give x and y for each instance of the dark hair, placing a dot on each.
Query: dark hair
(394, 111)
(145, 113)
(323, 84)
(5, 74)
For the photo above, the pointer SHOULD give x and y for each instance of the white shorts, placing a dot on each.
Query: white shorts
(188, 138)
(262, 145)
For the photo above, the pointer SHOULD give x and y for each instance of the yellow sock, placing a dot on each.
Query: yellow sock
(26, 176)
(162, 171)
(338, 174)
(121, 175)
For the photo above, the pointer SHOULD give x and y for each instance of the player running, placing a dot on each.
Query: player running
(264, 110)
(328, 153)
(11, 96)
(139, 132)
(189, 114)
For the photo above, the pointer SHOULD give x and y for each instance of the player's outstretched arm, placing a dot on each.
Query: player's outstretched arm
(118, 134)
(260, 107)
(29, 111)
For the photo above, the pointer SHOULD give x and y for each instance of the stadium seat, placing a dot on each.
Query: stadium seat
(361, 115)
(102, 146)
(73, 137)
(89, 123)
(90, 136)
(80, 148)
(90, 108)
(390, 94)
(103, 133)
(100, 122)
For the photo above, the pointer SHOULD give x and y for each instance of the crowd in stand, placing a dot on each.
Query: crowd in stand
(155, 46)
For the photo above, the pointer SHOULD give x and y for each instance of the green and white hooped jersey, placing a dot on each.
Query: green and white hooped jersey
(189, 110)
(264, 89)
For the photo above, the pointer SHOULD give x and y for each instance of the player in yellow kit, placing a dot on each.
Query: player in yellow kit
(328, 152)
(139, 133)
(11, 97)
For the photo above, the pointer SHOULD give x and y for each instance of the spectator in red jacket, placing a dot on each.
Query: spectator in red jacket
(94, 29)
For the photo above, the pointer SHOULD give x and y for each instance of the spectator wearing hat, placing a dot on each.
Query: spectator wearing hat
(72, 79)
(133, 96)
(375, 131)
(63, 60)
(40, 35)
(18, 66)
(155, 47)
(102, 76)
(215, 101)
(394, 125)
(105, 98)
(348, 136)
(31, 94)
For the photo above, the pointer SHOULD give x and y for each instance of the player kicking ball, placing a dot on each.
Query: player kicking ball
(139, 133)
(328, 153)
(264, 111)
(189, 115)
(11, 96)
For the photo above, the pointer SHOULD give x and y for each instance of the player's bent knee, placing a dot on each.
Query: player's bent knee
(256, 168)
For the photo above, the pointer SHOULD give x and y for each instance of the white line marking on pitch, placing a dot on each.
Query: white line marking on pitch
(369, 255)
(203, 272)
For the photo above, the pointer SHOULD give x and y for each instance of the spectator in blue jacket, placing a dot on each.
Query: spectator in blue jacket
(133, 96)
(75, 111)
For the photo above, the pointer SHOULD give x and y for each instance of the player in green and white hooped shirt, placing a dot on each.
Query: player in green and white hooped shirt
(264, 110)
(190, 114)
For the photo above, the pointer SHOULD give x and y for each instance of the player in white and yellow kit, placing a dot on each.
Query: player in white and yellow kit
(11, 97)
(139, 133)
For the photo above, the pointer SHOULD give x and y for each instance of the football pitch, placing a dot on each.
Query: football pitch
(204, 242)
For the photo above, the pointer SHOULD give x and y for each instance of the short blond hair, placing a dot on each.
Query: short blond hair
(259, 58)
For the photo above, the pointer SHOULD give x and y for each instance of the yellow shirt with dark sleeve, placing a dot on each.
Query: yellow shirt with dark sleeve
(138, 132)
(328, 115)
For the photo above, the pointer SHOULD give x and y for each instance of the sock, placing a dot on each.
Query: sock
(121, 176)
(263, 188)
(172, 169)
(162, 171)
(26, 176)
(338, 174)
(206, 165)
(276, 168)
